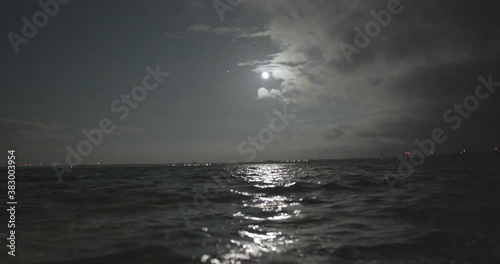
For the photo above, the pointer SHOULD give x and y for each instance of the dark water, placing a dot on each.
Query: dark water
(317, 212)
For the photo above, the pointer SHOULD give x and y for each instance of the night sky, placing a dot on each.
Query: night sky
(375, 103)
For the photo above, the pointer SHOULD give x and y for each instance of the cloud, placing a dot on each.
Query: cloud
(273, 93)
(396, 90)
(31, 125)
(309, 34)
(249, 35)
(25, 133)
(205, 29)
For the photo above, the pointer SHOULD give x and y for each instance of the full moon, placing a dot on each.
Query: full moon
(265, 75)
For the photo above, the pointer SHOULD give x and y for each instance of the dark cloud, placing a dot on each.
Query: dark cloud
(30, 132)
(428, 58)
(205, 29)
